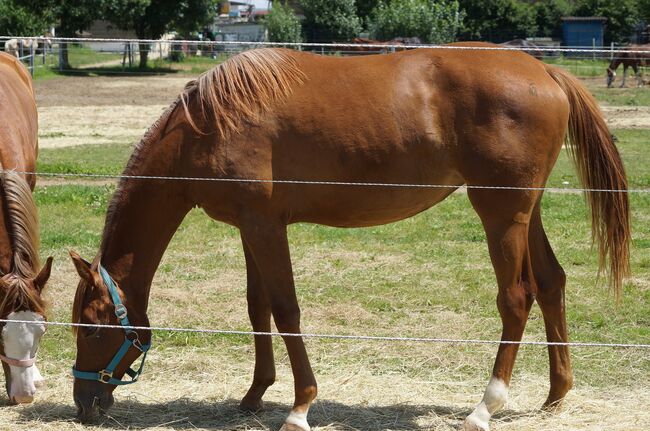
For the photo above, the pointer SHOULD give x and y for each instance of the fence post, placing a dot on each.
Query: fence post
(593, 48)
(32, 52)
(60, 57)
(611, 52)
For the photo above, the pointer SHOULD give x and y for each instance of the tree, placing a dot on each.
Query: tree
(364, 10)
(497, 20)
(432, 21)
(548, 16)
(644, 10)
(150, 19)
(330, 20)
(622, 16)
(22, 18)
(283, 25)
(72, 16)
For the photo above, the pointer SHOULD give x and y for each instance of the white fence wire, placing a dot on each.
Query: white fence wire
(323, 183)
(334, 336)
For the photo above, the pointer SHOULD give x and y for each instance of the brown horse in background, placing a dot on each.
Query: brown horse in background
(635, 60)
(20, 283)
(429, 116)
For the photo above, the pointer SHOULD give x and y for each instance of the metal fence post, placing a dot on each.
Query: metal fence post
(32, 52)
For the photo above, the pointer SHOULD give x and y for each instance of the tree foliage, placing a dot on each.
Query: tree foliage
(330, 20)
(497, 20)
(622, 16)
(431, 21)
(23, 18)
(282, 24)
(150, 19)
(549, 14)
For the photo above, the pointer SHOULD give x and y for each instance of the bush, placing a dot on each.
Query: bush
(330, 20)
(429, 20)
(282, 24)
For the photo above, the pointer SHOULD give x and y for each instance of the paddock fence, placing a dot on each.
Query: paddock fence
(115, 56)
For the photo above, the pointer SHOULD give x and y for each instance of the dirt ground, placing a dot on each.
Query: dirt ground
(119, 109)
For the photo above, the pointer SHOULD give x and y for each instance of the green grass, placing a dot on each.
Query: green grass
(615, 96)
(580, 66)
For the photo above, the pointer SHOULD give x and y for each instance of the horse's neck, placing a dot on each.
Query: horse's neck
(613, 65)
(142, 218)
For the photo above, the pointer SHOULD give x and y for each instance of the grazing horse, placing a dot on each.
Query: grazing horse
(20, 283)
(635, 60)
(426, 116)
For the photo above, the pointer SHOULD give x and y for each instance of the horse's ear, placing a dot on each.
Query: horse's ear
(83, 267)
(44, 275)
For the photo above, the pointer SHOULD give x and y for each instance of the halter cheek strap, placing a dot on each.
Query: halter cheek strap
(130, 340)
(22, 363)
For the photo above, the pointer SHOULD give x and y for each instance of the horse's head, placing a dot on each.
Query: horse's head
(22, 304)
(97, 347)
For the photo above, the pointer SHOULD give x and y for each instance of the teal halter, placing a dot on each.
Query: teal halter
(130, 339)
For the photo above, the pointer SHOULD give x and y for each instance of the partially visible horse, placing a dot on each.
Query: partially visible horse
(269, 117)
(635, 60)
(395, 41)
(21, 283)
(528, 47)
(14, 46)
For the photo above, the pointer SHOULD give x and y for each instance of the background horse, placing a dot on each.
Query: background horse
(20, 283)
(529, 47)
(13, 46)
(635, 60)
(427, 116)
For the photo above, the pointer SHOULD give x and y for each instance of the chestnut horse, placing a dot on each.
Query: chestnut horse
(424, 116)
(635, 60)
(20, 283)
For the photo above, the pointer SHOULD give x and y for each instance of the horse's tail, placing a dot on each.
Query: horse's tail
(601, 171)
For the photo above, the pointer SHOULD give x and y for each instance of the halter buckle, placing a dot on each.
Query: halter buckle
(120, 311)
(105, 376)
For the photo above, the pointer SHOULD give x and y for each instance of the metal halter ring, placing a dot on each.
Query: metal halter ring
(105, 376)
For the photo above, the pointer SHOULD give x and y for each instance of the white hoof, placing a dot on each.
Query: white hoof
(296, 422)
(473, 423)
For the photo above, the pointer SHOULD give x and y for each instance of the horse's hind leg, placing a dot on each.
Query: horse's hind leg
(551, 280)
(505, 215)
(624, 75)
(259, 312)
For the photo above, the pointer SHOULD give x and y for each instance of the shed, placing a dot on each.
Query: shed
(583, 31)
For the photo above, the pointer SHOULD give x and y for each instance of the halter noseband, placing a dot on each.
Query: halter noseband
(22, 363)
(130, 339)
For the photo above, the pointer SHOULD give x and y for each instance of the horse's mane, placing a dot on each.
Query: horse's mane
(242, 88)
(23, 232)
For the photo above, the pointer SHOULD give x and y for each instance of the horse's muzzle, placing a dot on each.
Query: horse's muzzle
(92, 400)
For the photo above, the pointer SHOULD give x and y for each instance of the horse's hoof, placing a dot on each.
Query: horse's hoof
(552, 405)
(475, 424)
(293, 427)
(251, 406)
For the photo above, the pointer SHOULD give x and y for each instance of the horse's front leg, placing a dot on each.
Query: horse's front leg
(259, 312)
(267, 242)
(624, 76)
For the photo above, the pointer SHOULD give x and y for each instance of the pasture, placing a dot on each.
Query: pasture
(429, 276)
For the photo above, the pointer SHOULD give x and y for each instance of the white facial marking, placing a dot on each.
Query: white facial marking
(496, 395)
(299, 419)
(20, 341)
